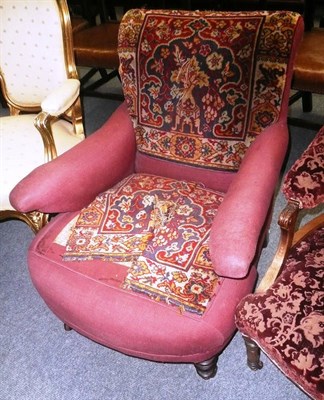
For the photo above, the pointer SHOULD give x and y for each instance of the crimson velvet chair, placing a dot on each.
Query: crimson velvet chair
(159, 233)
(285, 318)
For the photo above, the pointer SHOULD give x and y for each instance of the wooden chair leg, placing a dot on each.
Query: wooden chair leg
(307, 101)
(67, 327)
(253, 354)
(207, 369)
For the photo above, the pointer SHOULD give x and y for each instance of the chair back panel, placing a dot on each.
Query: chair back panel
(200, 86)
(33, 60)
(304, 182)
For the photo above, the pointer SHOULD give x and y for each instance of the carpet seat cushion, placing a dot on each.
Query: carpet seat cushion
(287, 321)
(132, 271)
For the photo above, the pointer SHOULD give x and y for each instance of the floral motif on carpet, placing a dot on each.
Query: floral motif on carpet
(305, 180)
(159, 229)
(201, 86)
(287, 321)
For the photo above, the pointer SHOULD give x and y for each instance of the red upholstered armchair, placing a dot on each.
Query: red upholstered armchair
(159, 233)
(285, 318)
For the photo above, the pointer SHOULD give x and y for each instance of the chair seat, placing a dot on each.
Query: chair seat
(22, 150)
(309, 63)
(287, 321)
(126, 283)
(96, 46)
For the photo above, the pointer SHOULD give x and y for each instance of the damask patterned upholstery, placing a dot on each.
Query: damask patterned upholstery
(287, 321)
(159, 240)
(304, 181)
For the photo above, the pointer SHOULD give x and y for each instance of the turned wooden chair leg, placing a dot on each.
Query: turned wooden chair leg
(207, 369)
(307, 102)
(253, 354)
(67, 327)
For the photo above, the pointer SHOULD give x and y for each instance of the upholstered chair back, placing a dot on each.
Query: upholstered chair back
(201, 87)
(33, 52)
(304, 182)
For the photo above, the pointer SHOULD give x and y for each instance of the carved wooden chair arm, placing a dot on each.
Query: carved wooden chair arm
(58, 102)
(288, 239)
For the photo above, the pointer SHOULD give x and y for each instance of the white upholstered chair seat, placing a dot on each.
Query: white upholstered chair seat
(22, 149)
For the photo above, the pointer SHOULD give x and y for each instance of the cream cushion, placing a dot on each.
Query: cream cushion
(62, 98)
(37, 35)
(22, 150)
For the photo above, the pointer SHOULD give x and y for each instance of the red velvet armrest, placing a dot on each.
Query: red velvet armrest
(72, 180)
(239, 221)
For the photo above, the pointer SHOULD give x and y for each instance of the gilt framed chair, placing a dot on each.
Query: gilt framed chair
(285, 317)
(158, 240)
(40, 85)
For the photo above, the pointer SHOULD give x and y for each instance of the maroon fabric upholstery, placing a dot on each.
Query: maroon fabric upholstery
(187, 116)
(287, 321)
(304, 181)
(80, 181)
(239, 160)
(233, 243)
(88, 297)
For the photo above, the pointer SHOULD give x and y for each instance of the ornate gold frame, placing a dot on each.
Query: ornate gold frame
(43, 121)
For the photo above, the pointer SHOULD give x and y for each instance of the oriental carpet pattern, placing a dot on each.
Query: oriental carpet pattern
(201, 87)
(157, 227)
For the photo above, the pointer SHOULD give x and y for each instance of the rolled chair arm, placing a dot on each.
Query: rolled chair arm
(72, 180)
(238, 224)
(62, 98)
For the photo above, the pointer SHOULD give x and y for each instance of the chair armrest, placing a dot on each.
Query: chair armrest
(277, 265)
(72, 180)
(287, 223)
(237, 226)
(62, 98)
